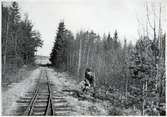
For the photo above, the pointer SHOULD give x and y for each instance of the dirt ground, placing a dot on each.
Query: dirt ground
(65, 85)
(15, 91)
(61, 82)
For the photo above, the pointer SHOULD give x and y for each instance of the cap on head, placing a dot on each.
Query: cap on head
(88, 70)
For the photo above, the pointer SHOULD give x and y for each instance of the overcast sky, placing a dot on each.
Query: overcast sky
(102, 16)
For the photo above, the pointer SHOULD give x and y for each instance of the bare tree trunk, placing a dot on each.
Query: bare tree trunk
(149, 22)
(146, 87)
(143, 104)
(153, 27)
(126, 87)
(15, 44)
(70, 61)
(160, 32)
(79, 61)
(16, 54)
(5, 50)
(87, 60)
(73, 62)
(26, 59)
(70, 64)
(156, 78)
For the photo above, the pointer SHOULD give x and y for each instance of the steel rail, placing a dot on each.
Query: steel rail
(30, 107)
(50, 103)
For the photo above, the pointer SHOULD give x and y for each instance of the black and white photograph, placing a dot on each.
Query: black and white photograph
(83, 57)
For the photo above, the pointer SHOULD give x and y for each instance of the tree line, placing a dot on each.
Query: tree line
(19, 40)
(136, 71)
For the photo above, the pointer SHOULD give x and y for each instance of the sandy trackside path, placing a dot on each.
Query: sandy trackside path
(17, 90)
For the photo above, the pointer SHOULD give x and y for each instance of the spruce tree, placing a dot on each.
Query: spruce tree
(57, 54)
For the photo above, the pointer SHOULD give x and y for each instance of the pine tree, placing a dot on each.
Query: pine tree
(19, 41)
(15, 20)
(116, 43)
(57, 55)
(69, 40)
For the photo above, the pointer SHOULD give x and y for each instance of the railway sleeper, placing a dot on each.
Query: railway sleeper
(22, 105)
(61, 113)
(41, 101)
(39, 109)
(40, 106)
(58, 98)
(26, 98)
(42, 98)
(63, 109)
(60, 101)
(38, 113)
(23, 101)
(58, 95)
(43, 94)
(62, 106)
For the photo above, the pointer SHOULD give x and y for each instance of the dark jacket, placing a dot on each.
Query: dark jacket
(89, 77)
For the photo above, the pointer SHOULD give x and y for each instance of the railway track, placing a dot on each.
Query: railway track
(43, 100)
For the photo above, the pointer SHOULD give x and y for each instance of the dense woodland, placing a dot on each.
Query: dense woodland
(136, 73)
(19, 41)
(132, 75)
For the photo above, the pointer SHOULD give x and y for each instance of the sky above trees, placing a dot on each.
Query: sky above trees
(102, 16)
